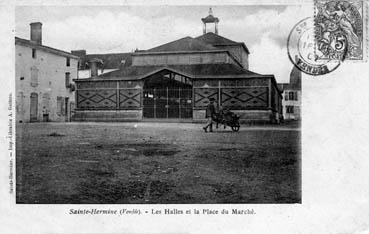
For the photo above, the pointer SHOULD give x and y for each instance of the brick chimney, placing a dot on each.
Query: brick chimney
(36, 32)
(93, 64)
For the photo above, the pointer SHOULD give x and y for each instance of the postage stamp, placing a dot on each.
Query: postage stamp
(340, 29)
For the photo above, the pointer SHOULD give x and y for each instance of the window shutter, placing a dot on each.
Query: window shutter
(59, 105)
(62, 106)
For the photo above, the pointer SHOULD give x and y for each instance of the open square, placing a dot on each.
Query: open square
(156, 163)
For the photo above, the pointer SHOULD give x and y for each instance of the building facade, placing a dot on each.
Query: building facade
(176, 81)
(44, 80)
(291, 103)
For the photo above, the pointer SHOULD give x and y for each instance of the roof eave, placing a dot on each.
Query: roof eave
(177, 52)
(245, 47)
(28, 43)
(140, 77)
(235, 44)
(210, 19)
(240, 76)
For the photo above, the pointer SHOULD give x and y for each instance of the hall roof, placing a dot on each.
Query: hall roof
(110, 61)
(198, 71)
(183, 44)
(216, 40)
(206, 42)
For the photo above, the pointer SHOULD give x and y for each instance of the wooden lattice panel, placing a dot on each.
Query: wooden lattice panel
(97, 99)
(202, 96)
(243, 98)
(129, 98)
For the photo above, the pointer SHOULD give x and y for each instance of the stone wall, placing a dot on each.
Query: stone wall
(108, 115)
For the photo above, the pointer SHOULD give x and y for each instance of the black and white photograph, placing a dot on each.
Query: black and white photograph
(154, 110)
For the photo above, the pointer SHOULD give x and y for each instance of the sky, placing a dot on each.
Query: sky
(116, 29)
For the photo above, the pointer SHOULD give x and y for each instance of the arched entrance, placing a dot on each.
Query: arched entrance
(166, 95)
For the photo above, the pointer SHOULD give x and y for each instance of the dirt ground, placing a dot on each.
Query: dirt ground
(156, 163)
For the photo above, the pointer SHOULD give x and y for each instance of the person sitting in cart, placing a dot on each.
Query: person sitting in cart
(228, 115)
(210, 112)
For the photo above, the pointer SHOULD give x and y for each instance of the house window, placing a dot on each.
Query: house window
(286, 96)
(68, 62)
(34, 76)
(292, 95)
(289, 109)
(33, 53)
(67, 79)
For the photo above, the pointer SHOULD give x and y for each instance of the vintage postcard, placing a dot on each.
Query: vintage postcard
(185, 117)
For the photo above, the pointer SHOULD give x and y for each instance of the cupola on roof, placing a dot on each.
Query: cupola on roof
(210, 18)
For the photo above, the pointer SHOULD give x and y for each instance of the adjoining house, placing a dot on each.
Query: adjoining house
(105, 62)
(292, 96)
(176, 81)
(43, 80)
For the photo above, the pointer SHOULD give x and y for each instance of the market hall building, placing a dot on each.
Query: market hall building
(176, 80)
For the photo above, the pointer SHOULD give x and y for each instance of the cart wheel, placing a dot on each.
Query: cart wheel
(235, 128)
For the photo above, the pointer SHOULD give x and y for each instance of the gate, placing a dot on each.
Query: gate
(167, 103)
